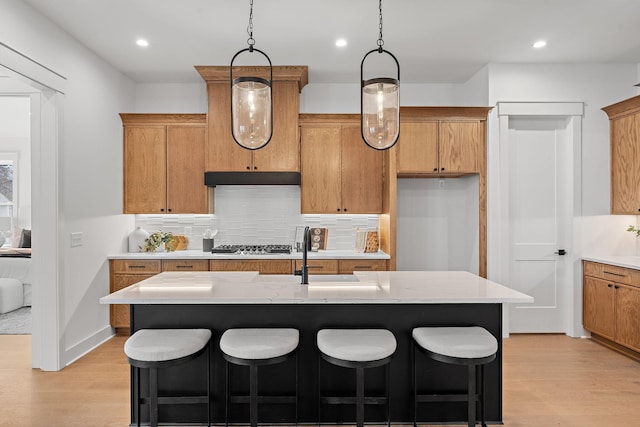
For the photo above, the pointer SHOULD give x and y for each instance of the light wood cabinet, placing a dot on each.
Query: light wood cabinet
(624, 128)
(340, 173)
(123, 273)
(164, 163)
(611, 306)
(441, 141)
(263, 266)
(282, 153)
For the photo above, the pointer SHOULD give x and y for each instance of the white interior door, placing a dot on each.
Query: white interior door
(539, 194)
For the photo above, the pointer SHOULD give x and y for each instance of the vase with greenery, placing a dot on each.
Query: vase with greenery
(156, 239)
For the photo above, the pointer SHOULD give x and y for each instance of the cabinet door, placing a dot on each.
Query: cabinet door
(145, 160)
(460, 145)
(223, 154)
(418, 147)
(628, 316)
(361, 174)
(119, 313)
(186, 192)
(320, 170)
(625, 165)
(598, 308)
(282, 153)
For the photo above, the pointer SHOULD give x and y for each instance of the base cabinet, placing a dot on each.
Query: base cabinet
(266, 266)
(611, 306)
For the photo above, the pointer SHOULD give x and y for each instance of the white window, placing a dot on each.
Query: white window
(8, 196)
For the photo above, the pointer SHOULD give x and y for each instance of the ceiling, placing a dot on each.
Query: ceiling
(435, 41)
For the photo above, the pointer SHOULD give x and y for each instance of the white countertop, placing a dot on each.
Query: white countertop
(628, 261)
(195, 254)
(385, 287)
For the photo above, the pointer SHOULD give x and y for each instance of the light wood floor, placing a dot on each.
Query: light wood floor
(549, 380)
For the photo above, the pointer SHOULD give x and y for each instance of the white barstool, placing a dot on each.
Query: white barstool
(255, 347)
(154, 349)
(472, 346)
(358, 349)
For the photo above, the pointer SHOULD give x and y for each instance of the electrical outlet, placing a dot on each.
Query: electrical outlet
(76, 239)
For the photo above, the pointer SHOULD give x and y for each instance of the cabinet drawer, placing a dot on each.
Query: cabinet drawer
(320, 266)
(612, 273)
(271, 266)
(348, 266)
(120, 266)
(185, 265)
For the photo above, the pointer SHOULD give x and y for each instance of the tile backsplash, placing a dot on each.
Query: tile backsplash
(261, 214)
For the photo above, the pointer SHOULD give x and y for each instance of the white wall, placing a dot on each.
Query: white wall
(169, 98)
(90, 161)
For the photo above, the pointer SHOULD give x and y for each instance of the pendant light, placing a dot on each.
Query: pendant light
(251, 101)
(380, 103)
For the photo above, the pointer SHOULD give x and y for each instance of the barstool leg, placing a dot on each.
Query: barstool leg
(319, 389)
(471, 395)
(209, 384)
(482, 396)
(414, 383)
(359, 397)
(153, 397)
(253, 395)
(296, 388)
(137, 373)
(226, 399)
(388, 369)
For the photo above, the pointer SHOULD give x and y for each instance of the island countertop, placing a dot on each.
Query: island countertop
(385, 287)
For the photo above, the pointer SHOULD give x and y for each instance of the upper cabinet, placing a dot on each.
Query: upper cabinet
(624, 120)
(340, 173)
(164, 163)
(445, 141)
(282, 153)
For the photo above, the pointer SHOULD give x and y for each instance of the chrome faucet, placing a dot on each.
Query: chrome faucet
(306, 245)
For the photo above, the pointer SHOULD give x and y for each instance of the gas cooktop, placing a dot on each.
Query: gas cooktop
(252, 249)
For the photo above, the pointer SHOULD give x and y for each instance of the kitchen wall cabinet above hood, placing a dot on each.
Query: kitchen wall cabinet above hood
(212, 179)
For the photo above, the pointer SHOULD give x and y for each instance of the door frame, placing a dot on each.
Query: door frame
(573, 112)
(47, 215)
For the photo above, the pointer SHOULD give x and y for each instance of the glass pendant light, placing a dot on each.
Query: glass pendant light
(251, 101)
(380, 103)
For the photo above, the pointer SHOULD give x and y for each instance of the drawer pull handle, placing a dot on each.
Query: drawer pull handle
(185, 266)
(138, 266)
(315, 266)
(362, 266)
(614, 274)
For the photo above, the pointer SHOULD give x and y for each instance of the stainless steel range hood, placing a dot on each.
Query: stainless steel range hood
(212, 179)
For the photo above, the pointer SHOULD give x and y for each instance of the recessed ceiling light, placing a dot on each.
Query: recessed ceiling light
(142, 42)
(540, 44)
(341, 42)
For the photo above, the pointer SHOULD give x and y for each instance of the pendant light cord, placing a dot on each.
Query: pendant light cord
(380, 41)
(250, 40)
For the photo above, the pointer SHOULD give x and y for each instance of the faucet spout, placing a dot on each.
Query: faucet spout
(306, 245)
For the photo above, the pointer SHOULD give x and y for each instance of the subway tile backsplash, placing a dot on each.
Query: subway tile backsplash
(261, 214)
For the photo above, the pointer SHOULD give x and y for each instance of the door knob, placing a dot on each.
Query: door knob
(561, 252)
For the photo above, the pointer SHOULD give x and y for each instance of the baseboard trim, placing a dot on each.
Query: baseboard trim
(615, 346)
(80, 349)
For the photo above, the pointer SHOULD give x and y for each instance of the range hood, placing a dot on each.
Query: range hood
(212, 179)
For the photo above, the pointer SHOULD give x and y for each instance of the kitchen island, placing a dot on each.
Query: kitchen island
(398, 301)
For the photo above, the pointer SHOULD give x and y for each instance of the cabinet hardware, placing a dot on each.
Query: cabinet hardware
(248, 167)
(138, 266)
(338, 209)
(436, 170)
(184, 266)
(345, 209)
(561, 252)
(609, 285)
(616, 287)
(367, 267)
(168, 210)
(161, 209)
(442, 169)
(614, 274)
(255, 168)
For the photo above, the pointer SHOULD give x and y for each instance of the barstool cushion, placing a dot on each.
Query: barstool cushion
(259, 343)
(159, 345)
(469, 342)
(357, 345)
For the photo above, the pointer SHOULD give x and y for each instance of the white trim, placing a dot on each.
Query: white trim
(574, 112)
(26, 67)
(88, 344)
(540, 109)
